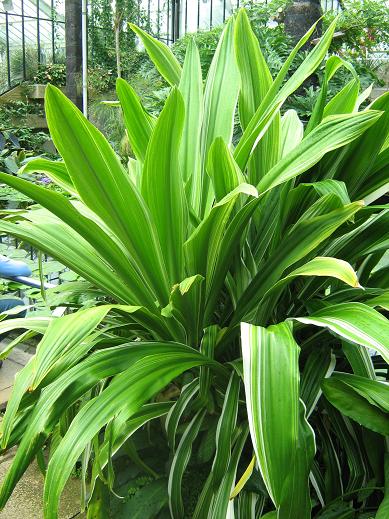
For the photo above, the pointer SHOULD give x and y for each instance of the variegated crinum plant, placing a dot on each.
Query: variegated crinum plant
(236, 354)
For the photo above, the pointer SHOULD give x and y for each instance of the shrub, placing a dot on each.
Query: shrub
(231, 304)
(53, 73)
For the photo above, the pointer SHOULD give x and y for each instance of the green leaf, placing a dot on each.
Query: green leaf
(104, 244)
(186, 306)
(160, 54)
(50, 235)
(147, 502)
(292, 132)
(319, 365)
(220, 98)
(319, 266)
(203, 246)
(191, 88)
(344, 101)
(225, 428)
(376, 392)
(304, 237)
(256, 81)
(128, 391)
(276, 95)
(179, 464)
(222, 506)
(355, 404)
(139, 124)
(334, 132)
(223, 170)
(354, 322)
(271, 378)
(162, 180)
(360, 156)
(120, 430)
(332, 65)
(55, 170)
(182, 405)
(105, 187)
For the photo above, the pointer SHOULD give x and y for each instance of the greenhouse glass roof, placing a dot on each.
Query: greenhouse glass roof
(31, 32)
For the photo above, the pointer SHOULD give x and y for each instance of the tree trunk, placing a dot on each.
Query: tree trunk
(117, 48)
(300, 17)
(73, 19)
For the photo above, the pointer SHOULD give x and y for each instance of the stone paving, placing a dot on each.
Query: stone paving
(11, 365)
(26, 500)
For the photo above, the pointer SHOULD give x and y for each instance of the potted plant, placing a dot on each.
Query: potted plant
(53, 74)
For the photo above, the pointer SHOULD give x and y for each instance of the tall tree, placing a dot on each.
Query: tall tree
(73, 14)
(300, 16)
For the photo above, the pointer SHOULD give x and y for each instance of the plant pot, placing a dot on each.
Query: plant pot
(37, 91)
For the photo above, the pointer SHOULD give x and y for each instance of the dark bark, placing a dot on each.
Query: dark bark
(300, 16)
(73, 20)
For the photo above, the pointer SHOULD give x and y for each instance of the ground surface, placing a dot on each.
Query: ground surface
(26, 500)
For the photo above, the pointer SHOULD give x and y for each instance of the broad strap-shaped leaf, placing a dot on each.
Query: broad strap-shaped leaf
(319, 365)
(204, 244)
(256, 81)
(358, 398)
(139, 124)
(292, 132)
(191, 88)
(359, 359)
(271, 378)
(104, 244)
(222, 506)
(220, 98)
(332, 65)
(376, 392)
(55, 170)
(300, 241)
(296, 499)
(225, 428)
(105, 187)
(129, 391)
(301, 197)
(186, 306)
(334, 132)
(319, 266)
(344, 101)
(62, 243)
(179, 464)
(60, 395)
(67, 340)
(223, 170)
(181, 406)
(118, 432)
(160, 54)
(162, 185)
(230, 244)
(37, 324)
(355, 323)
(276, 95)
(362, 153)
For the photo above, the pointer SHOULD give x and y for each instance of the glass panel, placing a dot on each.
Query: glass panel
(3, 55)
(31, 52)
(205, 14)
(15, 49)
(46, 42)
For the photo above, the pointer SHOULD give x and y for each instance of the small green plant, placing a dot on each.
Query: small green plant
(239, 335)
(52, 73)
(100, 80)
